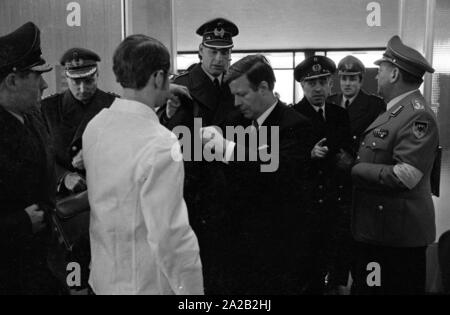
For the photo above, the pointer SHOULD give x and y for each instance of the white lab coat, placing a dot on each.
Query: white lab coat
(141, 240)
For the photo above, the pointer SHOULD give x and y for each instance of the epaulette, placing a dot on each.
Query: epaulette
(397, 111)
(417, 104)
(49, 96)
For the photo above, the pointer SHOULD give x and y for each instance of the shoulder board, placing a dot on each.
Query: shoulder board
(417, 104)
(397, 111)
(50, 96)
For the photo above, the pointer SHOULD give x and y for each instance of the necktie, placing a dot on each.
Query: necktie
(347, 103)
(321, 117)
(217, 83)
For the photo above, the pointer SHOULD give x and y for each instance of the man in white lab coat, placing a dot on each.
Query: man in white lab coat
(141, 240)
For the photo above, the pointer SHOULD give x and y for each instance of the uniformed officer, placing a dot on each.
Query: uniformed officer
(67, 115)
(393, 213)
(331, 160)
(26, 167)
(362, 110)
(212, 102)
(361, 107)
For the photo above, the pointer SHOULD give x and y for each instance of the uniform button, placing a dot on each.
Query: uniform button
(320, 201)
(354, 137)
(74, 148)
(374, 144)
(358, 157)
(380, 207)
(339, 199)
(363, 143)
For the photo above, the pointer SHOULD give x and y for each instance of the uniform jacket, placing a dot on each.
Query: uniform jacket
(385, 212)
(67, 118)
(140, 235)
(330, 183)
(269, 210)
(362, 112)
(209, 103)
(26, 178)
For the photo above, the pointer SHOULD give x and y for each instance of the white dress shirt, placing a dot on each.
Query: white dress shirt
(141, 240)
(408, 174)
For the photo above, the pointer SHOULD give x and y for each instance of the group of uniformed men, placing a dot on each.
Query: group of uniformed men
(352, 186)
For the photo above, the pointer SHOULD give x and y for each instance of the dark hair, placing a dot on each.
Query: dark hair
(409, 78)
(256, 68)
(137, 58)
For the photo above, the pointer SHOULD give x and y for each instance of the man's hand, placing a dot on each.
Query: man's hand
(319, 151)
(172, 106)
(213, 140)
(173, 103)
(344, 160)
(77, 161)
(36, 217)
(75, 183)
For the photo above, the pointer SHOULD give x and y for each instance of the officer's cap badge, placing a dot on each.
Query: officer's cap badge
(316, 67)
(219, 32)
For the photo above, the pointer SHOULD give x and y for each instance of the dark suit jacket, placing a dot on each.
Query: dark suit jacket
(362, 112)
(331, 184)
(26, 178)
(269, 210)
(67, 119)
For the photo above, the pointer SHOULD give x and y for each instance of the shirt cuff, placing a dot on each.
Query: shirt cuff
(408, 174)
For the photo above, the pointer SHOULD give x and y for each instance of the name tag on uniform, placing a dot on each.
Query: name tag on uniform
(381, 133)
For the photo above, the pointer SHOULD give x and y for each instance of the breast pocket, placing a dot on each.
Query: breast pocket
(380, 149)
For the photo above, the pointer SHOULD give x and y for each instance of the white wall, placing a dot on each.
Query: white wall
(289, 24)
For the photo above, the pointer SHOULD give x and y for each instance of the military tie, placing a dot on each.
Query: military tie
(321, 116)
(347, 103)
(217, 83)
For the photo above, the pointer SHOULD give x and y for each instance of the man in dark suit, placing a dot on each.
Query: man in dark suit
(267, 178)
(26, 167)
(211, 103)
(331, 162)
(362, 108)
(393, 214)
